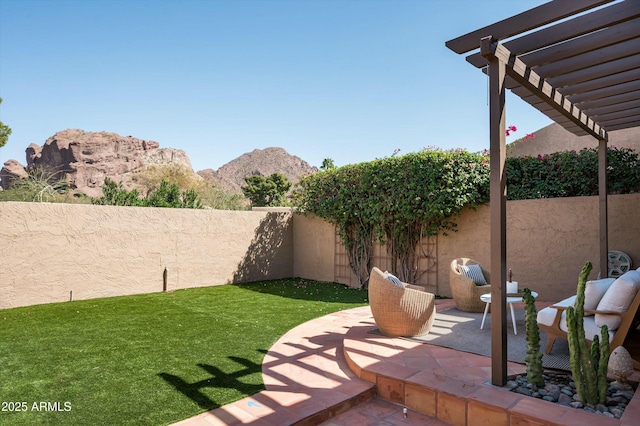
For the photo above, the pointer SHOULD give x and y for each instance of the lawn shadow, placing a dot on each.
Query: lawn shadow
(306, 289)
(218, 379)
(270, 253)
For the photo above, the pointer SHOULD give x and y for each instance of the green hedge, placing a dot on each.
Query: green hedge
(398, 200)
(571, 174)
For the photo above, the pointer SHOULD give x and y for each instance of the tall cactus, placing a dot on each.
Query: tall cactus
(605, 352)
(588, 367)
(574, 354)
(534, 356)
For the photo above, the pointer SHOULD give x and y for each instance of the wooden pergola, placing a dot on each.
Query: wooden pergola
(578, 62)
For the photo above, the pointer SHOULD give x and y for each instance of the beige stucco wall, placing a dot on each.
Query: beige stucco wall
(554, 138)
(548, 241)
(48, 251)
(314, 242)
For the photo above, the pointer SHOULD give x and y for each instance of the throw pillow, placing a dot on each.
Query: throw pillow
(594, 291)
(394, 280)
(618, 298)
(474, 272)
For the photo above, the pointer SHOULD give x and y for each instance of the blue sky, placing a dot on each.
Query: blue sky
(346, 80)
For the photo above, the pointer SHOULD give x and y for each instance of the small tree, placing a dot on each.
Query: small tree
(327, 164)
(151, 177)
(266, 192)
(216, 198)
(5, 131)
(113, 194)
(167, 195)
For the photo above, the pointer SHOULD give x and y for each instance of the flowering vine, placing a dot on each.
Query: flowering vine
(514, 129)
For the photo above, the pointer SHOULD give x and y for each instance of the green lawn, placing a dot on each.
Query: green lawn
(150, 359)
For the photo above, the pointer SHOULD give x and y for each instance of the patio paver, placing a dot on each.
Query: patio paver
(330, 371)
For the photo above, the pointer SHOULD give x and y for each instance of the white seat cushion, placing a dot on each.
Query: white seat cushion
(591, 329)
(618, 298)
(547, 315)
(594, 291)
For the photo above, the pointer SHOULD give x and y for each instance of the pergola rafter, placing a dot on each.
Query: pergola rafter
(578, 62)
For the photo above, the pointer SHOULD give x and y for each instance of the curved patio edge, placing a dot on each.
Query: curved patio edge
(306, 377)
(327, 365)
(454, 386)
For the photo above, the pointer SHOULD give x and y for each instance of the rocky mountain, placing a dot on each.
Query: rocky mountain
(263, 162)
(85, 159)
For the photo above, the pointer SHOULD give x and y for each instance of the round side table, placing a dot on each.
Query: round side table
(510, 301)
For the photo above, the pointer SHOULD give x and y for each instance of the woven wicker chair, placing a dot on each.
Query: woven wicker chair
(464, 290)
(406, 312)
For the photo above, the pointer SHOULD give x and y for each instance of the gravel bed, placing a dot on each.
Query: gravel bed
(561, 389)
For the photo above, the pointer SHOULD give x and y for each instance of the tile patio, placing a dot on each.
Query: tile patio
(330, 371)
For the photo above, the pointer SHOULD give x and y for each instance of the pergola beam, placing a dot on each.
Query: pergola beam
(588, 59)
(503, 63)
(631, 75)
(562, 37)
(583, 73)
(525, 21)
(612, 94)
(498, 216)
(530, 80)
(597, 71)
(577, 46)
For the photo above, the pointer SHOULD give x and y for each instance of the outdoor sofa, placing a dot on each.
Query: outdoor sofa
(610, 301)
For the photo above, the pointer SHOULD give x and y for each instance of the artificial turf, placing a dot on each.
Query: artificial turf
(150, 359)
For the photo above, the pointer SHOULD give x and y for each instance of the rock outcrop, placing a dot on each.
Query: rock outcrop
(11, 171)
(85, 159)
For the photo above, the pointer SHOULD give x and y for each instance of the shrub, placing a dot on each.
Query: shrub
(215, 198)
(398, 199)
(268, 191)
(40, 185)
(571, 174)
(167, 195)
(151, 177)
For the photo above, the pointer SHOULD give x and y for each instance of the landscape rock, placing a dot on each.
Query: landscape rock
(11, 170)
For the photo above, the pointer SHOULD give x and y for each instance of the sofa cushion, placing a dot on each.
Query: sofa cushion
(395, 280)
(547, 315)
(594, 291)
(591, 329)
(618, 298)
(473, 272)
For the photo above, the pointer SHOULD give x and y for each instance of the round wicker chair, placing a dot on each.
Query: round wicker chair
(407, 311)
(464, 290)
